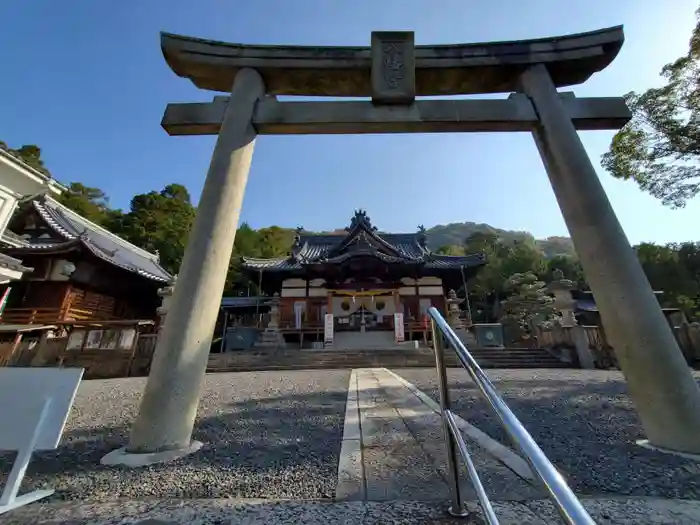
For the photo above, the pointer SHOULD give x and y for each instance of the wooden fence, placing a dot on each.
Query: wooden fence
(558, 338)
(122, 352)
(109, 358)
(688, 337)
(48, 315)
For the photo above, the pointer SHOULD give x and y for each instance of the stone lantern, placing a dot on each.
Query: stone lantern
(166, 295)
(274, 322)
(455, 322)
(561, 288)
(453, 303)
(272, 337)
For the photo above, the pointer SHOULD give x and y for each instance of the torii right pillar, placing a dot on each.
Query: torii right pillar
(659, 381)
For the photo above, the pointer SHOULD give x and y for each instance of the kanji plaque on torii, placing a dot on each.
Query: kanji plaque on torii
(393, 67)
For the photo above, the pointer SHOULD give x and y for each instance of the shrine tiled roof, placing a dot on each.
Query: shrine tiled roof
(77, 230)
(362, 240)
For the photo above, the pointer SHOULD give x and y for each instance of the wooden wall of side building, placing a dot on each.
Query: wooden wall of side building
(100, 289)
(65, 297)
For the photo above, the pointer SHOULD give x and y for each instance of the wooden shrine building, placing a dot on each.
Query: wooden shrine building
(80, 271)
(361, 276)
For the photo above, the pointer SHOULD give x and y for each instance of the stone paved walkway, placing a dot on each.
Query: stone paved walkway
(403, 450)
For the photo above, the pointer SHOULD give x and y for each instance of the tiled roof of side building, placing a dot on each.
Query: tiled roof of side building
(455, 261)
(279, 263)
(99, 241)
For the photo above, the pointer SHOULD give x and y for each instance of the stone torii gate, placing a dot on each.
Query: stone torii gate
(393, 72)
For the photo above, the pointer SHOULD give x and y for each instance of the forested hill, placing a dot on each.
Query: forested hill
(454, 234)
(451, 237)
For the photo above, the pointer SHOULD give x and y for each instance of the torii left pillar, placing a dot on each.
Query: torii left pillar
(163, 429)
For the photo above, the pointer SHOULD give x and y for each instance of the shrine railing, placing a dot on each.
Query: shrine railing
(570, 508)
(49, 315)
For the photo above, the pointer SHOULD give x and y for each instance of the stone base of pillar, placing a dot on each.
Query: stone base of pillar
(124, 458)
(271, 339)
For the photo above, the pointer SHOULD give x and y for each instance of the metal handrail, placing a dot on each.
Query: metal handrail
(568, 505)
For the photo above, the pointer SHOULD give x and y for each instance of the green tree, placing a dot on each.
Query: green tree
(160, 222)
(30, 154)
(504, 258)
(450, 249)
(570, 267)
(528, 303)
(556, 246)
(247, 244)
(275, 241)
(482, 242)
(660, 147)
(521, 257)
(91, 203)
(269, 242)
(674, 270)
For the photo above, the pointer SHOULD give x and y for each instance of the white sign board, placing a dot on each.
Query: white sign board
(22, 395)
(36, 401)
(398, 327)
(328, 330)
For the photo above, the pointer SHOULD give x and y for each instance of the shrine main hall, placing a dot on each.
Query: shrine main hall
(361, 281)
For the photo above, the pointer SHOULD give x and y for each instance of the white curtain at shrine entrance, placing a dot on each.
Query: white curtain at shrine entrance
(299, 309)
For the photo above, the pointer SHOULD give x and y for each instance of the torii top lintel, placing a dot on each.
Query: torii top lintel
(490, 67)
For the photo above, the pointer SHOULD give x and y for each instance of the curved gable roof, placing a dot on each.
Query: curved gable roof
(361, 239)
(102, 243)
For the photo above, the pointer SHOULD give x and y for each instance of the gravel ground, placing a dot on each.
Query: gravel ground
(584, 422)
(265, 435)
(617, 511)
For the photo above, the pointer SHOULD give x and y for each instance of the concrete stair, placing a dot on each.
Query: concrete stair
(516, 358)
(379, 340)
(375, 358)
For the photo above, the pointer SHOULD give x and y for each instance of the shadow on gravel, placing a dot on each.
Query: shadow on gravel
(276, 447)
(585, 423)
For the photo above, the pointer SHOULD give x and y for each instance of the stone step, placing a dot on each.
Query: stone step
(368, 358)
(363, 341)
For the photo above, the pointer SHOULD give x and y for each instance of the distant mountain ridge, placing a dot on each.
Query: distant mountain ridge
(455, 233)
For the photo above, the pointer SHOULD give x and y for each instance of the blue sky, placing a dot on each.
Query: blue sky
(86, 81)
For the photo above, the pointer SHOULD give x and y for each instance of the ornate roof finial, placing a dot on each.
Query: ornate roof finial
(361, 219)
(297, 235)
(422, 236)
